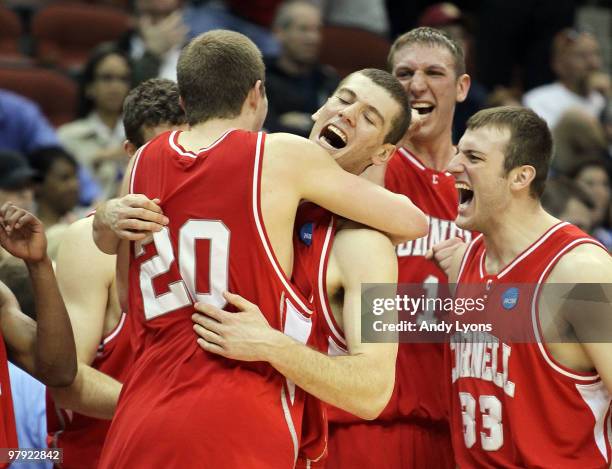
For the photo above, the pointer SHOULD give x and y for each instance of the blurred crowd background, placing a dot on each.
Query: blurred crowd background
(66, 67)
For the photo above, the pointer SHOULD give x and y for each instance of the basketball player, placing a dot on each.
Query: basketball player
(332, 260)
(44, 348)
(506, 397)
(101, 332)
(231, 197)
(413, 430)
(361, 382)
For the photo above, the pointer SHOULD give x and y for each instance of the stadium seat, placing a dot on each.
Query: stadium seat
(65, 33)
(55, 93)
(10, 32)
(348, 49)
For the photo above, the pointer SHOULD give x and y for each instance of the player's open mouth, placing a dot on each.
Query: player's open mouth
(333, 136)
(465, 193)
(423, 108)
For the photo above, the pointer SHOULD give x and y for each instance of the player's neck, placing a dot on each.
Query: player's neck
(206, 133)
(517, 229)
(435, 153)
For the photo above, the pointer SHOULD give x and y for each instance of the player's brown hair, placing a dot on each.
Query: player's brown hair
(401, 121)
(432, 38)
(215, 73)
(152, 103)
(530, 140)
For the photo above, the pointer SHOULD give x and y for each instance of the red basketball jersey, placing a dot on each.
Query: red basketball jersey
(512, 404)
(314, 235)
(420, 382)
(8, 432)
(181, 406)
(82, 437)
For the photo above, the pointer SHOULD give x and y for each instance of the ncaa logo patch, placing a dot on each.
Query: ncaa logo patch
(306, 233)
(510, 298)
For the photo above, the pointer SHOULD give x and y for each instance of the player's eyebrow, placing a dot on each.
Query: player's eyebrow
(468, 150)
(370, 108)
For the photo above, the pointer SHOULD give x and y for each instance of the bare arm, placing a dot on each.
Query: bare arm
(92, 393)
(304, 167)
(361, 382)
(587, 306)
(88, 295)
(44, 349)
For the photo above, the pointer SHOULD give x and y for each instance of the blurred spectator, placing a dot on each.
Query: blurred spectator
(576, 61)
(57, 186)
(516, 36)
(249, 17)
(28, 393)
(23, 128)
(297, 85)
(565, 200)
(578, 136)
(16, 180)
(448, 18)
(593, 178)
(502, 96)
(365, 14)
(156, 43)
(96, 139)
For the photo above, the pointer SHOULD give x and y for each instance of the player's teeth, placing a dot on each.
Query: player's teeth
(338, 132)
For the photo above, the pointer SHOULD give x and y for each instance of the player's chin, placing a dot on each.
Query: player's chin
(466, 221)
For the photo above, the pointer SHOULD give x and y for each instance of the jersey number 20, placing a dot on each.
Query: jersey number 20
(183, 292)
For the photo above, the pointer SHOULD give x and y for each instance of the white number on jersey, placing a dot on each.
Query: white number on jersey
(183, 292)
(430, 285)
(493, 438)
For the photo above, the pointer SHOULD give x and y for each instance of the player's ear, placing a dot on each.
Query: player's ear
(256, 95)
(521, 177)
(383, 154)
(129, 148)
(316, 115)
(463, 87)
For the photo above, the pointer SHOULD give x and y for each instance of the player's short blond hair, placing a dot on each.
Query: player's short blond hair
(215, 73)
(430, 37)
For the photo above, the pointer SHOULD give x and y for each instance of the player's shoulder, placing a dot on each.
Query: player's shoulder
(291, 147)
(358, 241)
(78, 243)
(79, 232)
(585, 263)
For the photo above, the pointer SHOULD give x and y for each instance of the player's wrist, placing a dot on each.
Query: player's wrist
(35, 265)
(275, 345)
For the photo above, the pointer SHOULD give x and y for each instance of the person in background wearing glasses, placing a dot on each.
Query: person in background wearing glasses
(96, 138)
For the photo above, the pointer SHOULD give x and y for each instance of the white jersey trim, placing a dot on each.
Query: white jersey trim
(116, 330)
(261, 232)
(534, 313)
(466, 255)
(412, 159)
(290, 424)
(190, 154)
(323, 288)
(537, 244)
(597, 398)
